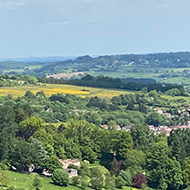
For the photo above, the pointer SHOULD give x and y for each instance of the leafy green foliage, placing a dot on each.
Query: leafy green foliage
(126, 175)
(27, 140)
(109, 182)
(119, 182)
(142, 136)
(97, 179)
(60, 177)
(37, 184)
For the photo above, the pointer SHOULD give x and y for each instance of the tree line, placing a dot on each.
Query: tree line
(108, 82)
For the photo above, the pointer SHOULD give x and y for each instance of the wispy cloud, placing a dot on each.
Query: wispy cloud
(11, 5)
(162, 6)
(56, 23)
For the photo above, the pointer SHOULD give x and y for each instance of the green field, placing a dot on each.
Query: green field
(148, 72)
(19, 180)
(50, 89)
(22, 70)
(24, 181)
(186, 98)
(126, 74)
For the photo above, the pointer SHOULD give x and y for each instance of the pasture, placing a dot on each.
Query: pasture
(24, 182)
(50, 89)
(148, 72)
(65, 75)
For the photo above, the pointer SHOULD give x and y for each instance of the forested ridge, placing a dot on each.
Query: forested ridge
(119, 63)
(39, 130)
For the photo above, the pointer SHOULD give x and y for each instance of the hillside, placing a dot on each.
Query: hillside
(120, 63)
(142, 68)
(115, 136)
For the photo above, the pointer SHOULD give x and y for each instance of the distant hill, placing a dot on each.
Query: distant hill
(38, 59)
(118, 63)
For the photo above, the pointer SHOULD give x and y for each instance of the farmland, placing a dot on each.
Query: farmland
(65, 75)
(150, 72)
(50, 89)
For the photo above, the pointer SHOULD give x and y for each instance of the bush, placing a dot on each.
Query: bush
(60, 177)
(37, 184)
(75, 180)
(139, 180)
(84, 183)
(119, 182)
(126, 175)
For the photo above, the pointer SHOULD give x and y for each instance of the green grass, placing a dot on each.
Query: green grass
(147, 72)
(126, 74)
(13, 70)
(19, 180)
(186, 98)
(22, 70)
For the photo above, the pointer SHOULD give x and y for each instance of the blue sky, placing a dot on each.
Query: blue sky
(94, 27)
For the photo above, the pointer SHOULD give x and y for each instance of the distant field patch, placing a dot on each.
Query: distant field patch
(50, 89)
(186, 98)
(64, 75)
(23, 69)
(126, 74)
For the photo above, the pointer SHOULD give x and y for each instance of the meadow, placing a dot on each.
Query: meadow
(148, 72)
(24, 182)
(50, 89)
(20, 71)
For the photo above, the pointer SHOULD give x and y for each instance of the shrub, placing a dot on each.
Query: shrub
(139, 180)
(60, 177)
(84, 183)
(119, 182)
(37, 184)
(126, 175)
(75, 180)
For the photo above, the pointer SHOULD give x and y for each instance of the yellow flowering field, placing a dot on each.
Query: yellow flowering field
(50, 89)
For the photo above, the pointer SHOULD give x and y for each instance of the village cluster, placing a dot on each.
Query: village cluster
(156, 129)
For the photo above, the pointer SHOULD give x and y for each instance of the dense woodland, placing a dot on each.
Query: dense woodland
(39, 130)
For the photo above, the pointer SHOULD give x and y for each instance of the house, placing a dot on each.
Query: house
(127, 128)
(72, 172)
(158, 110)
(118, 127)
(168, 115)
(104, 126)
(183, 127)
(152, 128)
(67, 162)
(49, 110)
(164, 129)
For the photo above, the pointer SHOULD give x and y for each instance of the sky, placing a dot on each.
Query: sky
(95, 27)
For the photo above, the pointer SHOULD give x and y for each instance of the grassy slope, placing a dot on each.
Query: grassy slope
(19, 180)
(186, 98)
(50, 89)
(148, 72)
(22, 70)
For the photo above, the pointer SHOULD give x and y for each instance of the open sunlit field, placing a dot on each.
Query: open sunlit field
(24, 182)
(50, 89)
